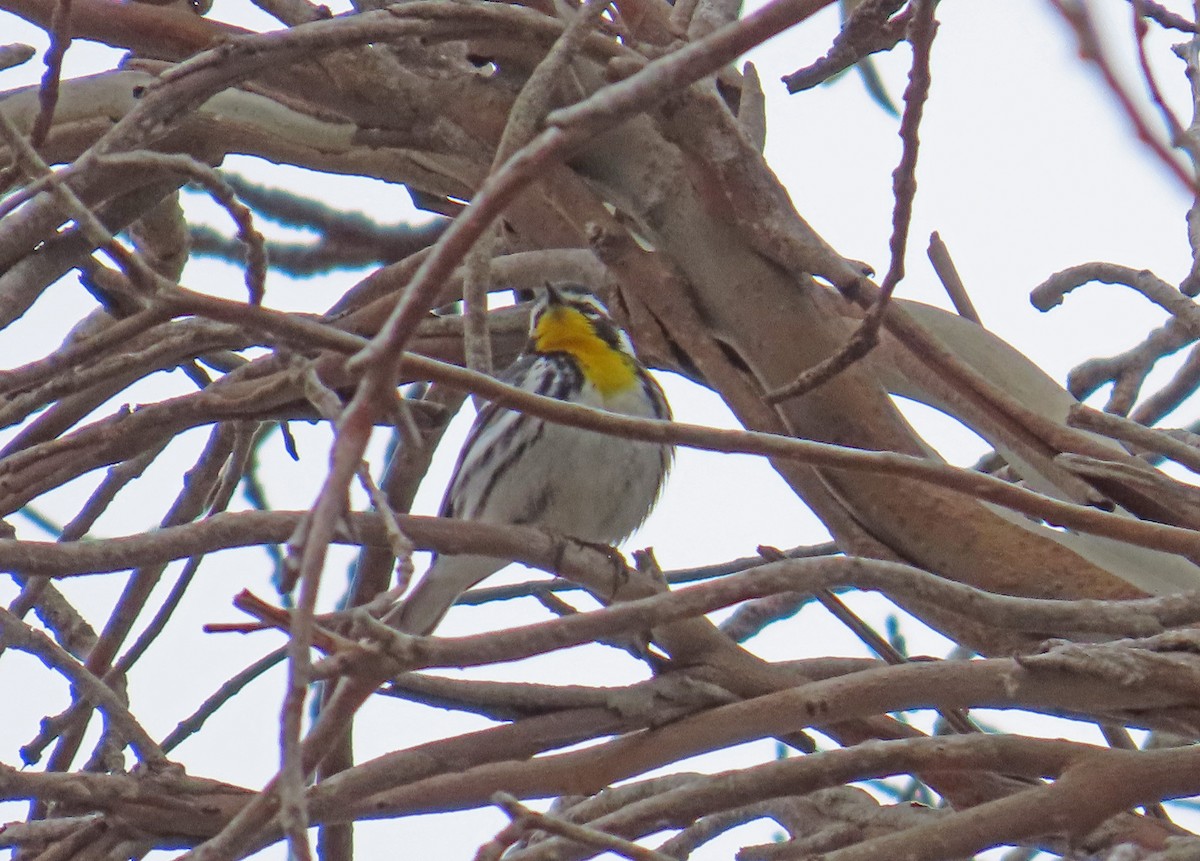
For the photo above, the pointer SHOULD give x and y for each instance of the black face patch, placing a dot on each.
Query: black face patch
(606, 330)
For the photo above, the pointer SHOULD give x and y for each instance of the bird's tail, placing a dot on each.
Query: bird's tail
(449, 576)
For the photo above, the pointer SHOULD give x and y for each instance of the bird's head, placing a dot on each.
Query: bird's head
(569, 319)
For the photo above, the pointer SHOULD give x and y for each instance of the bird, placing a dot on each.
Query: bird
(516, 468)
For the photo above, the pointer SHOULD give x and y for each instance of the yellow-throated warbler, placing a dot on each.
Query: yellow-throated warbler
(517, 468)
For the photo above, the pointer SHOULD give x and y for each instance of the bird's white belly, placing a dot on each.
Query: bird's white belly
(581, 483)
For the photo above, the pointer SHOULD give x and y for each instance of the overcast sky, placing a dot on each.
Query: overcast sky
(1026, 167)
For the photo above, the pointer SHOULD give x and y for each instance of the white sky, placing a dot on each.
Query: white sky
(1027, 167)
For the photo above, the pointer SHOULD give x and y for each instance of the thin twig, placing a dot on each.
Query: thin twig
(1178, 134)
(1091, 48)
(1164, 17)
(92, 690)
(525, 820)
(537, 588)
(60, 41)
(225, 197)
(222, 496)
(1127, 430)
(1128, 371)
(230, 688)
(921, 30)
(1178, 389)
(947, 272)
(477, 336)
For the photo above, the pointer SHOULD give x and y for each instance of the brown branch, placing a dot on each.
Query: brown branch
(293, 12)
(1025, 614)
(1126, 430)
(1189, 52)
(647, 87)
(219, 501)
(1051, 292)
(1129, 370)
(508, 701)
(752, 107)
(1082, 518)
(1181, 497)
(1090, 790)
(34, 588)
(488, 594)
(869, 30)
(146, 29)
(985, 487)
(14, 54)
(1117, 736)
(163, 794)
(117, 333)
(680, 807)
(921, 31)
(406, 468)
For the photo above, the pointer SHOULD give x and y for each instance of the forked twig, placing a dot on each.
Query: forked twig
(921, 30)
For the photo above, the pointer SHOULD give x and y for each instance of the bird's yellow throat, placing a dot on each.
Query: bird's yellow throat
(566, 330)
